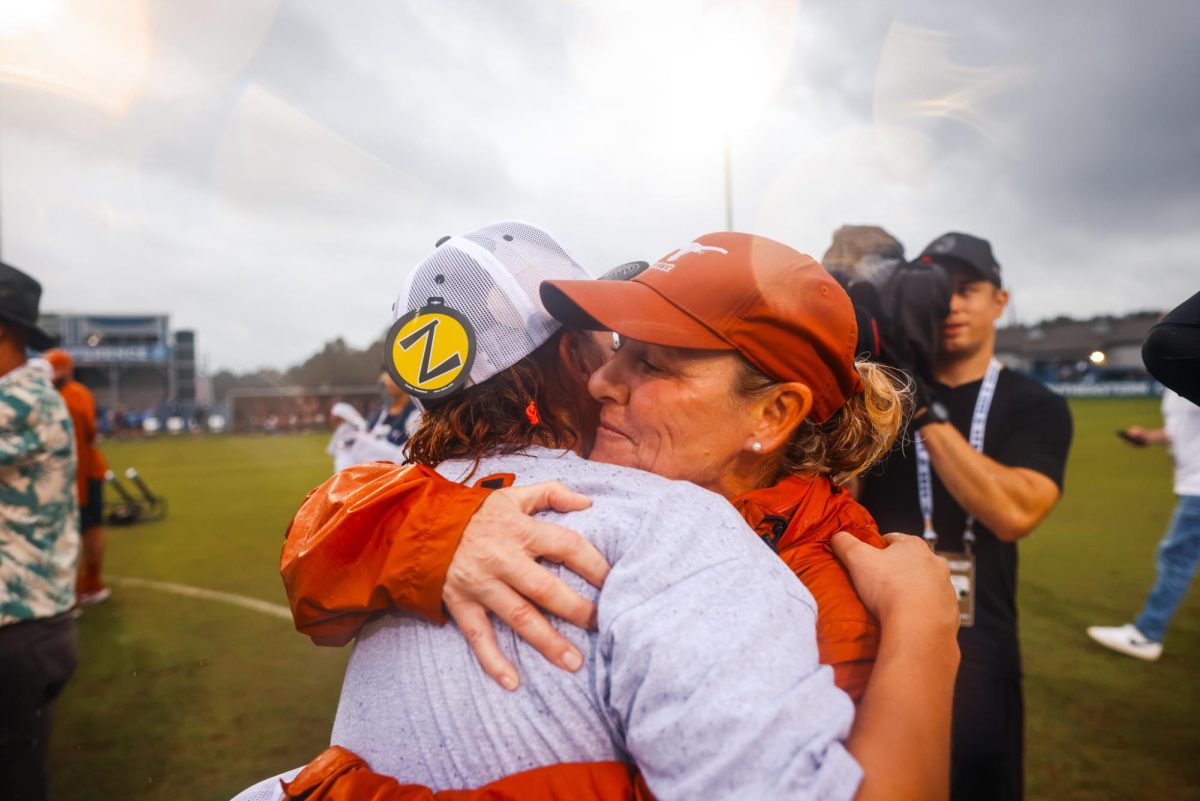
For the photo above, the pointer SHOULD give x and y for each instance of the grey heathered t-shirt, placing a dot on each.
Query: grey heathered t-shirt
(704, 669)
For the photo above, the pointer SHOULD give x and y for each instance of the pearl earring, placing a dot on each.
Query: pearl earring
(756, 447)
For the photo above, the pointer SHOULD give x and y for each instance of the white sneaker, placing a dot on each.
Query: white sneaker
(1126, 640)
(92, 598)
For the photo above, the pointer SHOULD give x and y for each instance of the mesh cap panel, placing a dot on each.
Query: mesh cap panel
(492, 276)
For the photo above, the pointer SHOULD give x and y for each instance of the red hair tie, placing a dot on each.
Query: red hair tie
(531, 411)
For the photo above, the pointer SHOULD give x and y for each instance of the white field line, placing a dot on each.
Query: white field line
(267, 608)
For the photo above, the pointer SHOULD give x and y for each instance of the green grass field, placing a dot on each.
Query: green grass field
(180, 698)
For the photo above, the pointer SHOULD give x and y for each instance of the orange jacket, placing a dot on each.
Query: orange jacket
(797, 518)
(341, 775)
(373, 538)
(378, 537)
(82, 408)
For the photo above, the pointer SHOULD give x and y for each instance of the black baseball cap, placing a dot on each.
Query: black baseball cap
(19, 298)
(965, 249)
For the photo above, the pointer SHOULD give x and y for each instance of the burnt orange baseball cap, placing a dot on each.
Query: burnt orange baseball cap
(60, 360)
(776, 306)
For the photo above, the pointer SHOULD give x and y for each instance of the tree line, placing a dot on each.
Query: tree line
(337, 364)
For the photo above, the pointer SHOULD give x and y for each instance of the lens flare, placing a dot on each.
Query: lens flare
(689, 74)
(918, 83)
(110, 54)
(96, 53)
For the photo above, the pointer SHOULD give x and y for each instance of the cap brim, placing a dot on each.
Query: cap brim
(629, 308)
(38, 339)
(948, 261)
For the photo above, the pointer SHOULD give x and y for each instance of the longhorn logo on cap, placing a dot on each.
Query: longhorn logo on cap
(696, 247)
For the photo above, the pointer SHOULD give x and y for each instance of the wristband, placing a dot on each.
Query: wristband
(935, 412)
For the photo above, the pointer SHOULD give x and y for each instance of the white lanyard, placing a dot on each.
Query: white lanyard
(983, 403)
(382, 428)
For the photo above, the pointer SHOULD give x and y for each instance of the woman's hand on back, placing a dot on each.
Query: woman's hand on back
(901, 734)
(495, 569)
(902, 583)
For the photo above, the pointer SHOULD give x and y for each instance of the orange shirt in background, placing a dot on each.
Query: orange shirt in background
(81, 405)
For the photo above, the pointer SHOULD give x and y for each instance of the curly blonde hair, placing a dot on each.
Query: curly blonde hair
(857, 435)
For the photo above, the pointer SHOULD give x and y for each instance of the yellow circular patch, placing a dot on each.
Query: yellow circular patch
(431, 350)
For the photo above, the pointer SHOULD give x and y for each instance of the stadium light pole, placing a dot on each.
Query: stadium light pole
(728, 182)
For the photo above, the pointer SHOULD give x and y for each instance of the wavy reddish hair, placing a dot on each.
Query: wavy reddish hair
(494, 417)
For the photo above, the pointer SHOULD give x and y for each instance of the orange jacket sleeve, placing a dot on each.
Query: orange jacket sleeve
(848, 635)
(374, 537)
(341, 775)
(798, 518)
(97, 464)
(82, 408)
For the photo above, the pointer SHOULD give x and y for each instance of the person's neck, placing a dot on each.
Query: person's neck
(954, 372)
(577, 420)
(745, 475)
(11, 359)
(397, 406)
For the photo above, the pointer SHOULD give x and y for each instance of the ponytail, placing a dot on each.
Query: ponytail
(857, 435)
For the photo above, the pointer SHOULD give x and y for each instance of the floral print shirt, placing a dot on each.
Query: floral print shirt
(39, 514)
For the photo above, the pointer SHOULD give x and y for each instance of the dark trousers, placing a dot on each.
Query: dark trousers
(988, 736)
(37, 657)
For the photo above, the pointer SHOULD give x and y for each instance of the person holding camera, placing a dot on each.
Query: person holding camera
(984, 468)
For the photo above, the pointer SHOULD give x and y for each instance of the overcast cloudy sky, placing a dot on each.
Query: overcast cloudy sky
(266, 172)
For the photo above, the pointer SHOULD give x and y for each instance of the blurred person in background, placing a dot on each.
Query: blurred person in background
(89, 588)
(39, 544)
(398, 418)
(378, 438)
(985, 468)
(1179, 550)
(197, 421)
(858, 257)
(349, 427)
(859, 251)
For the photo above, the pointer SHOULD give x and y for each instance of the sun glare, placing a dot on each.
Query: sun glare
(28, 15)
(96, 53)
(692, 73)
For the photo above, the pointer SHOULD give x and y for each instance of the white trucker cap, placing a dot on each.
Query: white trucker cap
(472, 308)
